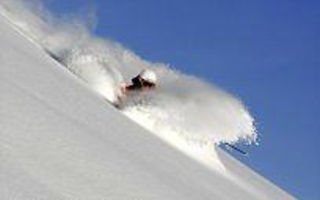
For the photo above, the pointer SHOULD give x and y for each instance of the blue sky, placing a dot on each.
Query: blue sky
(264, 52)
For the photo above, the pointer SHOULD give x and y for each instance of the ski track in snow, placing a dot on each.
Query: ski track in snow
(185, 111)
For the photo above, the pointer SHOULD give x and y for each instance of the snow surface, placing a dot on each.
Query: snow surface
(62, 140)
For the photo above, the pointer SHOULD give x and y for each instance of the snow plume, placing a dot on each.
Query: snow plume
(53, 34)
(183, 110)
(68, 40)
(193, 109)
(98, 66)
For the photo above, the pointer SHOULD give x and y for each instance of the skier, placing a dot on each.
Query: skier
(145, 81)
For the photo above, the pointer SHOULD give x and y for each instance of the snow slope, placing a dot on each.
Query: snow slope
(60, 140)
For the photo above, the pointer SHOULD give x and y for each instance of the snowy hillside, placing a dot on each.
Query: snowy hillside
(60, 139)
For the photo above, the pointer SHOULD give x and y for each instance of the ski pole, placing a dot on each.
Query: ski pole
(237, 149)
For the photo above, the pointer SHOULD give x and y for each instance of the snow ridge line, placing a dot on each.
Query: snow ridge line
(17, 28)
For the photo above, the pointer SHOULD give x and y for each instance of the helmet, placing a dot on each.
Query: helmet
(148, 75)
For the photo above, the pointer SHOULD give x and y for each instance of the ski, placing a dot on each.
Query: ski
(228, 145)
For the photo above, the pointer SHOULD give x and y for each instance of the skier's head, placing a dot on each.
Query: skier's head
(148, 78)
